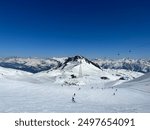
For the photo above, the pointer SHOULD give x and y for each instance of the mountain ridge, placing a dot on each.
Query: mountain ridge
(35, 65)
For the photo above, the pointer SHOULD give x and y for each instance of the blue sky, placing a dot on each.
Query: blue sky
(93, 28)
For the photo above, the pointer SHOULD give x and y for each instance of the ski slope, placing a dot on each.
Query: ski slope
(45, 92)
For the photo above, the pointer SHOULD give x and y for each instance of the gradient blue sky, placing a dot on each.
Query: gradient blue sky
(93, 28)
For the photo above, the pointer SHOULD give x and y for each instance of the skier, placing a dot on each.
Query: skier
(73, 100)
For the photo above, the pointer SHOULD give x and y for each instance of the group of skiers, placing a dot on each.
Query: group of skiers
(74, 95)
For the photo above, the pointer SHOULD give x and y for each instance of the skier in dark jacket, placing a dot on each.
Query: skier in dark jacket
(73, 100)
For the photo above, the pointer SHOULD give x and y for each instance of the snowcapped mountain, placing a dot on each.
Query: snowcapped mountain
(139, 65)
(76, 71)
(79, 70)
(33, 65)
(26, 92)
(36, 65)
(96, 89)
(79, 59)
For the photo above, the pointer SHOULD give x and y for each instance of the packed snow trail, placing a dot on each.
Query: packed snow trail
(16, 96)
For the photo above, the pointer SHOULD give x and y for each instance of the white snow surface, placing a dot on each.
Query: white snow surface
(52, 91)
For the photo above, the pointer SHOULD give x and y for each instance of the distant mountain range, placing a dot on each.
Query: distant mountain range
(35, 65)
(138, 65)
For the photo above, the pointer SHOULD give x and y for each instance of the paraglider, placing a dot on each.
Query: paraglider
(129, 51)
(118, 54)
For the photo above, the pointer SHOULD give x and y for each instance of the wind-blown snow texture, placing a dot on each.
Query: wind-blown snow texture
(96, 88)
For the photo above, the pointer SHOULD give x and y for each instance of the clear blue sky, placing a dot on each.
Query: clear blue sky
(93, 28)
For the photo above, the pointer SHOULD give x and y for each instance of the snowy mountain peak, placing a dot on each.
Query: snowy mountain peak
(76, 58)
(79, 60)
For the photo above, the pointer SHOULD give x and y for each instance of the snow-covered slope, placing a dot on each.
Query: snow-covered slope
(20, 94)
(12, 73)
(96, 89)
(140, 84)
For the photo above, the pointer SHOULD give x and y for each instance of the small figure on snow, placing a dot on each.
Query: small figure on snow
(74, 95)
(73, 100)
